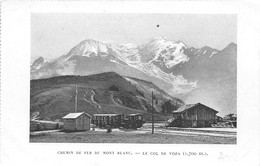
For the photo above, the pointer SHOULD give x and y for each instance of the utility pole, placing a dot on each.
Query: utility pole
(76, 98)
(152, 116)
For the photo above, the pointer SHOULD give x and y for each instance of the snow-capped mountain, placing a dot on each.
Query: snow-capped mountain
(92, 48)
(208, 64)
(164, 51)
(173, 66)
(161, 50)
(129, 53)
(38, 62)
(154, 55)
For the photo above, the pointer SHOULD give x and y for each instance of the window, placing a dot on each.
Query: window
(139, 117)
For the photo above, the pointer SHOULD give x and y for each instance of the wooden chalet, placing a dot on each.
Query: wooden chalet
(194, 115)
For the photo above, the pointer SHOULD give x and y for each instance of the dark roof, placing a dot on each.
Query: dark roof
(189, 106)
(105, 114)
(74, 115)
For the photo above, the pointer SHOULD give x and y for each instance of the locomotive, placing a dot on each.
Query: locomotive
(130, 121)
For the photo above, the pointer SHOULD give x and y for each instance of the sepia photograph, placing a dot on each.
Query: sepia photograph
(134, 78)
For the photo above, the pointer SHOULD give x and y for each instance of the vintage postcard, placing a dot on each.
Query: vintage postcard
(148, 82)
(127, 74)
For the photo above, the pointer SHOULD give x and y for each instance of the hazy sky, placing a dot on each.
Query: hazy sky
(55, 34)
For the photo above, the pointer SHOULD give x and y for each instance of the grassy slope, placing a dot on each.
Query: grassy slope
(55, 97)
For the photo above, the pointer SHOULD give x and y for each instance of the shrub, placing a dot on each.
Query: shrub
(113, 88)
(168, 107)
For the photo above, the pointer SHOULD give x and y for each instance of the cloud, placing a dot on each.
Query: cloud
(178, 83)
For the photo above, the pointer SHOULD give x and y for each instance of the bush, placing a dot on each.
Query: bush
(168, 107)
(113, 88)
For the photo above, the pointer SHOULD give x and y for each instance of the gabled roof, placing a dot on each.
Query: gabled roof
(184, 107)
(74, 115)
(189, 106)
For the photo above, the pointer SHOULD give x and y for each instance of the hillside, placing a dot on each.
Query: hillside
(52, 98)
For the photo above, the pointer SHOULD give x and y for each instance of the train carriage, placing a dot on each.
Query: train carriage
(131, 121)
(103, 120)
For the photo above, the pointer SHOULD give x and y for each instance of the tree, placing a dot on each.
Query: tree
(231, 116)
(113, 88)
(168, 107)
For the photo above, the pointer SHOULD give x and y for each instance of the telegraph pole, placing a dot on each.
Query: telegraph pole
(152, 116)
(76, 96)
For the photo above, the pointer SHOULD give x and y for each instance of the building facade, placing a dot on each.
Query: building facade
(194, 115)
(76, 122)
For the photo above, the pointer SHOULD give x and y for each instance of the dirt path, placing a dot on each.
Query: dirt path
(112, 98)
(117, 104)
(92, 99)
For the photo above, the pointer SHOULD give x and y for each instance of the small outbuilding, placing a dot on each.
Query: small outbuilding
(79, 121)
(194, 115)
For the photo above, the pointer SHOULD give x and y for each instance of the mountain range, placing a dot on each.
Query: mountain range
(205, 75)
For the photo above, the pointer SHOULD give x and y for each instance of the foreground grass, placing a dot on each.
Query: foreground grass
(128, 137)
